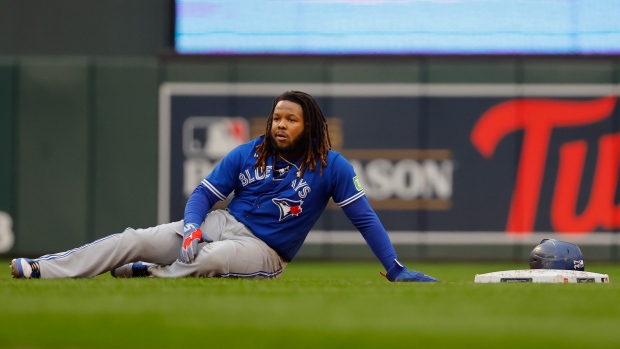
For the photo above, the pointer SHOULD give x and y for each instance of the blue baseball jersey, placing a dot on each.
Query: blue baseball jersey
(280, 211)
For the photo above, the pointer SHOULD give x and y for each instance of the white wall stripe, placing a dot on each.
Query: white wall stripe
(353, 237)
(391, 90)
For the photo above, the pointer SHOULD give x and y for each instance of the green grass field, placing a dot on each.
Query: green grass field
(313, 305)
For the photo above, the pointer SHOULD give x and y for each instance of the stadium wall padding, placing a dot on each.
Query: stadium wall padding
(7, 74)
(53, 153)
(88, 27)
(125, 133)
(79, 134)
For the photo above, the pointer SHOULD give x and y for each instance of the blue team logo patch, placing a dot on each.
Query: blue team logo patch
(288, 207)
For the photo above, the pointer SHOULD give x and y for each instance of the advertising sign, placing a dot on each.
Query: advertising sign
(438, 163)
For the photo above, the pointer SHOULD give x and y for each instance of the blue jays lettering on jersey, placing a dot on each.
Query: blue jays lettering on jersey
(279, 212)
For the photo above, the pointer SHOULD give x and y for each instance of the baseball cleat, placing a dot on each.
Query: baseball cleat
(24, 268)
(132, 270)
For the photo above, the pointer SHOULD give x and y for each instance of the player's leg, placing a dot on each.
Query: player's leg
(158, 244)
(235, 252)
(243, 257)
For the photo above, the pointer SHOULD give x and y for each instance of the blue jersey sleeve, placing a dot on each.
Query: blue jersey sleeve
(366, 221)
(345, 185)
(349, 195)
(217, 186)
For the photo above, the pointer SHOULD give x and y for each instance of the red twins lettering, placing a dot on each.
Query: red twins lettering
(538, 118)
(601, 210)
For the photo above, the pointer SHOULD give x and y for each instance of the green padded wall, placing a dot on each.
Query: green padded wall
(7, 73)
(53, 144)
(87, 27)
(280, 70)
(471, 71)
(125, 112)
(374, 71)
(565, 71)
(210, 71)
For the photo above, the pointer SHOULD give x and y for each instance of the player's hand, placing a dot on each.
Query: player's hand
(192, 235)
(399, 273)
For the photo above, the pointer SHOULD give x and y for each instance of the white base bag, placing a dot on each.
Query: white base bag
(541, 276)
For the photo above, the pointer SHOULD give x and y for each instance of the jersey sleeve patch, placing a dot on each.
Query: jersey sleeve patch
(213, 190)
(351, 199)
(358, 186)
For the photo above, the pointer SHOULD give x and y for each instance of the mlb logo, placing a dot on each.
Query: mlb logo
(213, 137)
(206, 140)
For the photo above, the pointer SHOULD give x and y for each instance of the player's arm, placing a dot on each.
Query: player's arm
(199, 204)
(196, 209)
(212, 189)
(366, 221)
(349, 195)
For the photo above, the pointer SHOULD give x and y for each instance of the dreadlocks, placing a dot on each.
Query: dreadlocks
(315, 140)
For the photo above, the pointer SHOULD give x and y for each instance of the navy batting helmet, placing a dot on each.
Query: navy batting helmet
(554, 254)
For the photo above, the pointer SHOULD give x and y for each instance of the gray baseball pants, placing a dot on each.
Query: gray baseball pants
(234, 252)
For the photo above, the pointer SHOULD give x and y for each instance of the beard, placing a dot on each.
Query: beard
(296, 147)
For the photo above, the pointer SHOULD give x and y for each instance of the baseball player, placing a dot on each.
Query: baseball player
(281, 182)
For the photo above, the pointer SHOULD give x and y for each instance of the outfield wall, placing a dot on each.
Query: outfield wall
(79, 146)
